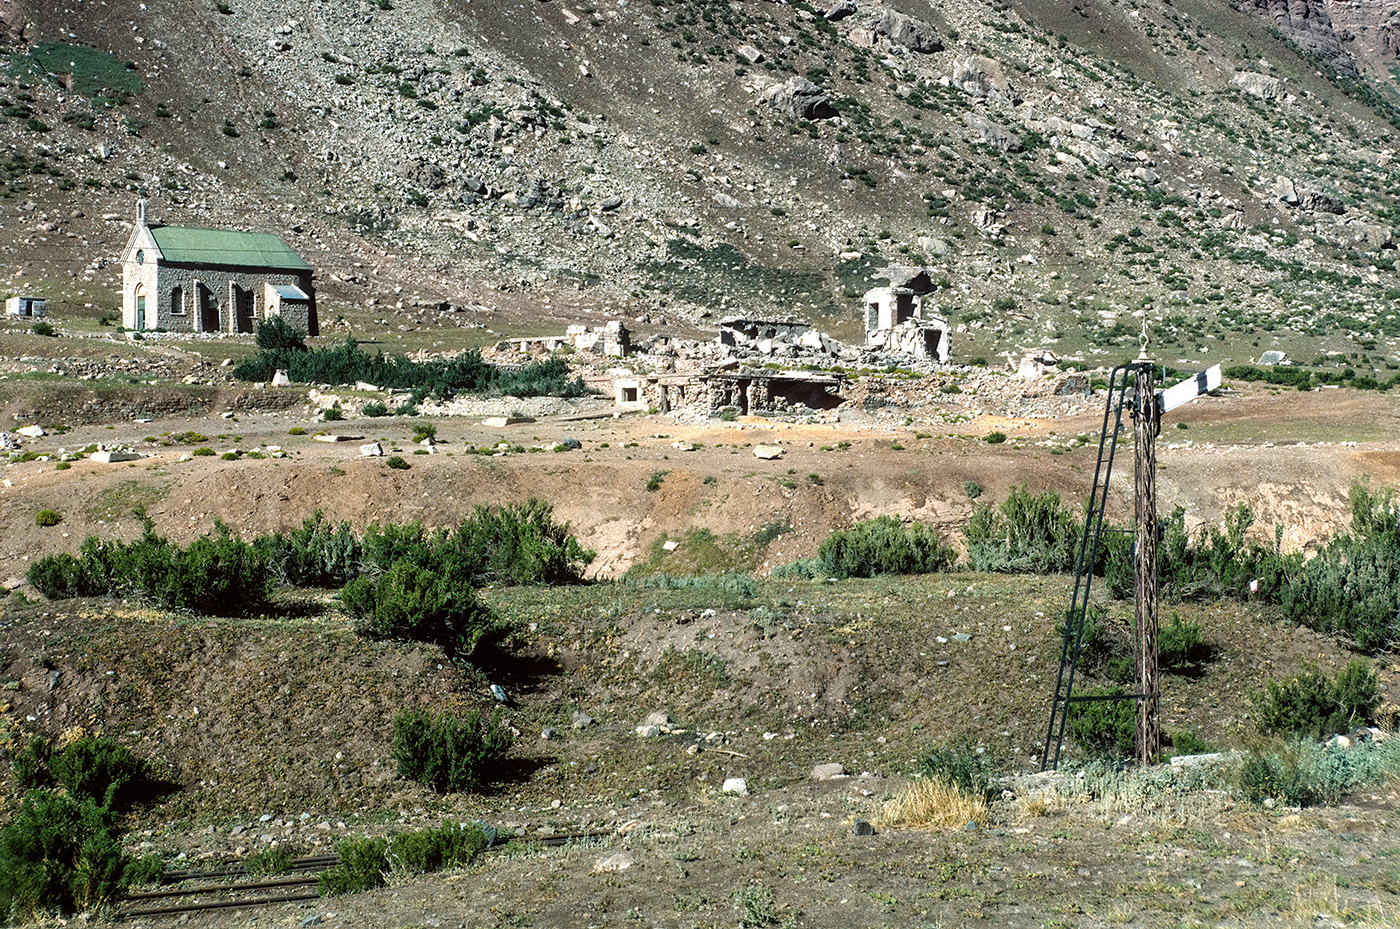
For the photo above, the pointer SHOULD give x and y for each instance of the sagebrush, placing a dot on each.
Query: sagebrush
(448, 752)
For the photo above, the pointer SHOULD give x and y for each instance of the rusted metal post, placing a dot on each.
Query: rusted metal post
(1147, 421)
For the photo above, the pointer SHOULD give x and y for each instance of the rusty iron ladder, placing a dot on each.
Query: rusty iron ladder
(1084, 567)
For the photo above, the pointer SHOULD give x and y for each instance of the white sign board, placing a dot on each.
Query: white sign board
(1188, 390)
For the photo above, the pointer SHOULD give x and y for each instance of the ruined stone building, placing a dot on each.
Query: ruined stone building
(613, 340)
(187, 279)
(743, 391)
(895, 320)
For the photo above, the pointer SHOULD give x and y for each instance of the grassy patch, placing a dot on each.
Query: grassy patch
(92, 72)
(127, 497)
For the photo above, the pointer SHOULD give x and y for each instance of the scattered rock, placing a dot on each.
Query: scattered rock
(582, 720)
(768, 452)
(863, 827)
(736, 785)
(114, 457)
(619, 862)
(372, 450)
(826, 772)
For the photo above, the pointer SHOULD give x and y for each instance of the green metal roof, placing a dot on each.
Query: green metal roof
(188, 245)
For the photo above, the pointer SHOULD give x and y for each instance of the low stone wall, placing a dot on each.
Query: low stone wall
(74, 406)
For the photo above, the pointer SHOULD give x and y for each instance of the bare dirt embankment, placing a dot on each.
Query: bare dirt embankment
(277, 730)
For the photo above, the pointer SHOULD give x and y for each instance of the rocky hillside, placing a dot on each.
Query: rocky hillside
(1063, 168)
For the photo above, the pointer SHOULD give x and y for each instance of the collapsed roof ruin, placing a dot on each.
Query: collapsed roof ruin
(895, 320)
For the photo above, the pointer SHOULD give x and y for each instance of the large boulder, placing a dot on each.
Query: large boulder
(840, 10)
(914, 280)
(979, 76)
(914, 34)
(799, 98)
(989, 133)
(1258, 85)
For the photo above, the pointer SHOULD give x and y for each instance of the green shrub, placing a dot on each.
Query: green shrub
(449, 753)
(60, 577)
(217, 576)
(364, 864)
(962, 765)
(203, 451)
(1105, 728)
(1180, 645)
(44, 329)
(62, 854)
(1313, 704)
(1221, 563)
(1098, 648)
(995, 438)
(48, 518)
(1276, 775)
(413, 603)
(268, 862)
(318, 554)
(423, 431)
(347, 363)
(654, 482)
(332, 414)
(31, 763)
(1188, 742)
(396, 463)
(515, 545)
(220, 576)
(428, 850)
(1027, 534)
(374, 408)
(296, 430)
(99, 769)
(884, 546)
(1351, 589)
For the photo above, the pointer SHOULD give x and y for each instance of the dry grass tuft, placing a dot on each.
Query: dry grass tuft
(933, 805)
(1317, 902)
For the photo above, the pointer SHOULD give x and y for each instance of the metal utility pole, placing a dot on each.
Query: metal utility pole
(1146, 409)
(1146, 424)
